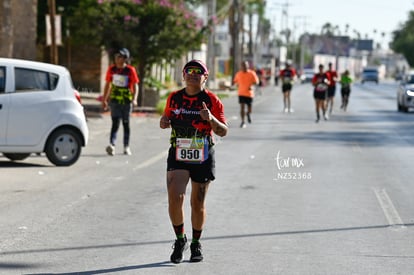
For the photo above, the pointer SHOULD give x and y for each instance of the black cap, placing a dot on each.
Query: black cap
(124, 52)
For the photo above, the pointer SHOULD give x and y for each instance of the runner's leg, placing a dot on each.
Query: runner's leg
(177, 181)
(198, 209)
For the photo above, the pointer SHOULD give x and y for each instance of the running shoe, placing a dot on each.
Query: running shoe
(196, 252)
(127, 151)
(243, 125)
(179, 247)
(325, 116)
(110, 149)
(249, 120)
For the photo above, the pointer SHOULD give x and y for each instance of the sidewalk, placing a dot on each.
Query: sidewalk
(93, 106)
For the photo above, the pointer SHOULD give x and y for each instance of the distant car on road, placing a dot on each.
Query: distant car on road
(40, 111)
(306, 75)
(370, 74)
(405, 93)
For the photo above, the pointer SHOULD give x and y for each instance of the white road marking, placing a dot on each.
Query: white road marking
(152, 160)
(388, 208)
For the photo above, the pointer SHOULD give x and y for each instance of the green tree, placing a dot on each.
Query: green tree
(155, 31)
(403, 39)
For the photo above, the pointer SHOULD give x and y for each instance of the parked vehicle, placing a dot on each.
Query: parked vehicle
(40, 111)
(370, 74)
(307, 75)
(405, 93)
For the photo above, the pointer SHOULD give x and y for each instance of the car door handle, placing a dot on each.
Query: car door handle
(1, 106)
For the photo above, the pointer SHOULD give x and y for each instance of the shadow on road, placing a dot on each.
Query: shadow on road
(167, 263)
(110, 270)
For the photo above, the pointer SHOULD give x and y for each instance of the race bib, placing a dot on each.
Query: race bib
(287, 80)
(120, 80)
(321, 87)
(191, 149)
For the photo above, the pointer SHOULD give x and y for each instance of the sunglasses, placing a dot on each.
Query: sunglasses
(193, 70)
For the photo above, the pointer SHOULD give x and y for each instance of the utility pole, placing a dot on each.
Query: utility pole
(53, 46)
(211, 54)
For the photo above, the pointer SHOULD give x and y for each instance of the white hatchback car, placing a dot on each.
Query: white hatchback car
(405, 93)
(40, 111)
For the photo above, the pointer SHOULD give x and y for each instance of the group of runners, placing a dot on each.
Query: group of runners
(324, 83)
(324, 89)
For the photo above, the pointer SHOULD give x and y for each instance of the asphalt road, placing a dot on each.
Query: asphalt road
(291, 197)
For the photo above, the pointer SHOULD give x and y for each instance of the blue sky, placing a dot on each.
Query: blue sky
(361, 15)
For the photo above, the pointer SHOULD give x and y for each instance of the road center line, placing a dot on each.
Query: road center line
(152, 160)
(388, 208)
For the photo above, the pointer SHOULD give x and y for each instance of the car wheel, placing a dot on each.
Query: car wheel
(400, 107)
(16, 156)
(63, 147)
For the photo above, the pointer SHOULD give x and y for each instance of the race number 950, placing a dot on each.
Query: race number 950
(189, 154)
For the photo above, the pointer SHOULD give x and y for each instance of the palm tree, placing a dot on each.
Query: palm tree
(328, 29)
(255, 7)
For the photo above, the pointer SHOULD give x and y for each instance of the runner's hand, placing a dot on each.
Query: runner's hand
(105, 105)
(164, 122)
(205, 113)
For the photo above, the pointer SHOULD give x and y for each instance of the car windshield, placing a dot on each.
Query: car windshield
(410, 79)
(370, 71)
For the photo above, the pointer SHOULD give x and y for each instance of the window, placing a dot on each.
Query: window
(33, 80)
(2, 79)
(221, 37)
(410, 79)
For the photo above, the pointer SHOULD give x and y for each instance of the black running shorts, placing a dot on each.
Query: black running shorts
(345, 91)
(331, 91)
(199, 172)
(319, 95)
(246, 100)
(286, 87)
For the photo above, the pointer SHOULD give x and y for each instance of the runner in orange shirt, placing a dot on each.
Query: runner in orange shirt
(245, 79)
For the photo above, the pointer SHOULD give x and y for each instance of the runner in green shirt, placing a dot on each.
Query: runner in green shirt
(345, 81)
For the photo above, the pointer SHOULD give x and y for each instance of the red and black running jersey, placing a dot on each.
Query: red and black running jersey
(332, 77)
(287, 73)
(184, 113)
(320, 81)
(320, 78)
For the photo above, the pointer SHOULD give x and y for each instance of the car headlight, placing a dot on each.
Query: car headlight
(409, 92)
